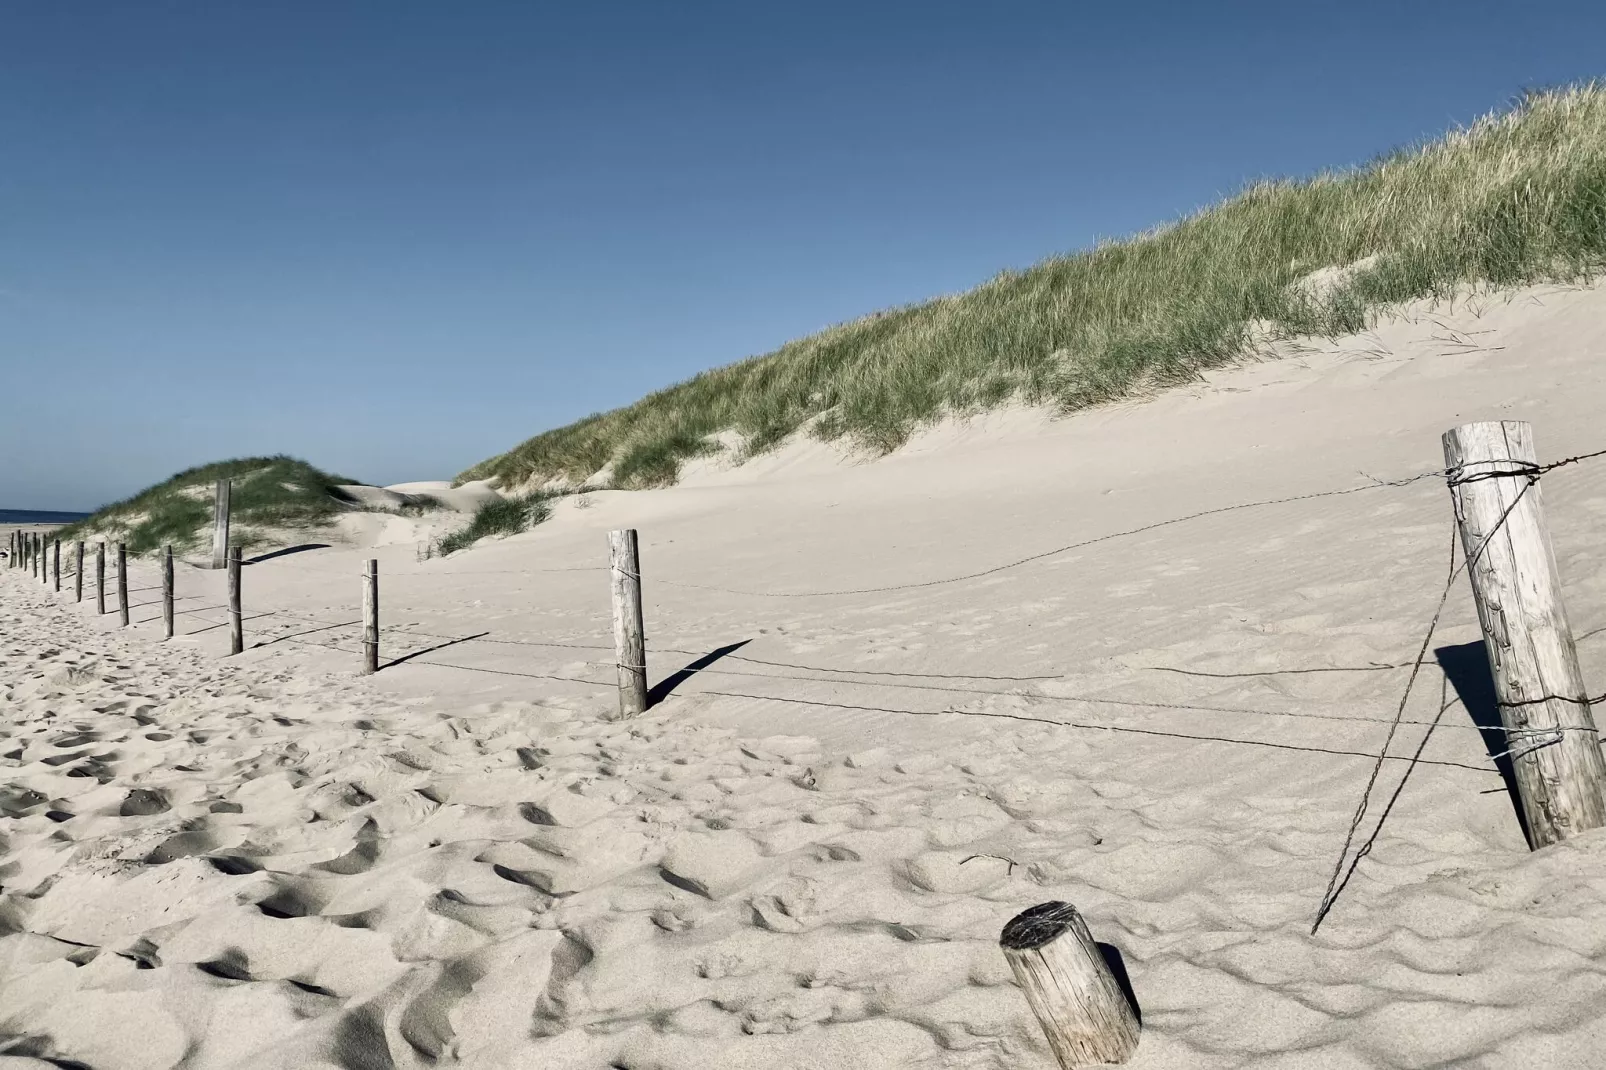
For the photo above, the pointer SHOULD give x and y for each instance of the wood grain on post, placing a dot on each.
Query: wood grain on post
(167, 592)
(100, 578)
(236, 620)
(1078, 1001)
(370, 617)
(78, 572)
(55, 563)
(1555, 754)
(122, 583)
(629, 635)
(220, 524)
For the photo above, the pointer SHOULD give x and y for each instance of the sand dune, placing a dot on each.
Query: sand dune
(267, 861)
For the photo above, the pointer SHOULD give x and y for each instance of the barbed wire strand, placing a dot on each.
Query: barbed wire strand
(1338, 878)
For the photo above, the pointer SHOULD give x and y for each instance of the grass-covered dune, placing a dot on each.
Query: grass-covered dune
(269, 496)
(1518, 197)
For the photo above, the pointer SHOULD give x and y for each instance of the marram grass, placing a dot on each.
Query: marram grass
(1516, 198)
(507, 516)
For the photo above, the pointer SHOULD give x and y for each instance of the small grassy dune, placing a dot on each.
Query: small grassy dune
(269, 494)
(1518, 197)
(505, 517)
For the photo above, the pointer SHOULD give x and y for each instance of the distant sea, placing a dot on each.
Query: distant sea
(37, 516)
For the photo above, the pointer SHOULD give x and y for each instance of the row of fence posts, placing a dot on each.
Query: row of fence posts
(33, 551)
(1493, 474)
(629, 631)
(1552, 744)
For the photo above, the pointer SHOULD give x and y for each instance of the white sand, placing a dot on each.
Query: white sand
(269, 862)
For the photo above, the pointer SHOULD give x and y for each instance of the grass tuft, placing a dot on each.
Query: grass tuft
(1517, 197)
(507, 516)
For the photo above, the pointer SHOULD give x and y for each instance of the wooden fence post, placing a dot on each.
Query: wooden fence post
(122, 582)
(1555, 754)
(1084, 1012)
(167, 592)
(370, 617)
(629, 634)
(78, 572)
(11, 551)
(236, 620)
(55, 563)
(100, 577)
(33, 553)
(220, 524)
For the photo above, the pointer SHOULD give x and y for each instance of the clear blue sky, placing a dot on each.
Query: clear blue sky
(398, 237)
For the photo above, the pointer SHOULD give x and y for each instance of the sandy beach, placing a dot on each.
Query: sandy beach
(1021, 659)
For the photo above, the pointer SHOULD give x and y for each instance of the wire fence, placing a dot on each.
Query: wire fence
(410, 645)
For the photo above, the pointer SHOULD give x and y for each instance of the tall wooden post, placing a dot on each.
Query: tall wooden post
(167, 592)
(100, 577)
(122, 583)
(55, 563)
(78, 572)
(11, 551)
(370, 617)
(629, 634)
(236, 620)
(220, 524)
(33, 552)
(1555, 754)
(1075, 997)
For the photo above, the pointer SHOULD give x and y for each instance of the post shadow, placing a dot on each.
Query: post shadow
(259, 558)
(1117, 965)
(1467, 668)
(432, 649)
(665, 687)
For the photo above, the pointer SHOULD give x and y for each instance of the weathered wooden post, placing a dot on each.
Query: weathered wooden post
(220, 524)
(122, 583)
(1078, 1001)
(100, 577)
(1556, 758)
(33, 552)
(167, 592)
(370, 617)
(55, 563)
(11, 551)
(236, 620)
(78, 572)
(629, 634)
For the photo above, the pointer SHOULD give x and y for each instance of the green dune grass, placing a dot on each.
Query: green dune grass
(268, 494)
(1518, 197)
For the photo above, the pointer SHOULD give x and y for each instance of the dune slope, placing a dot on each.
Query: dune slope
(995, 668)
